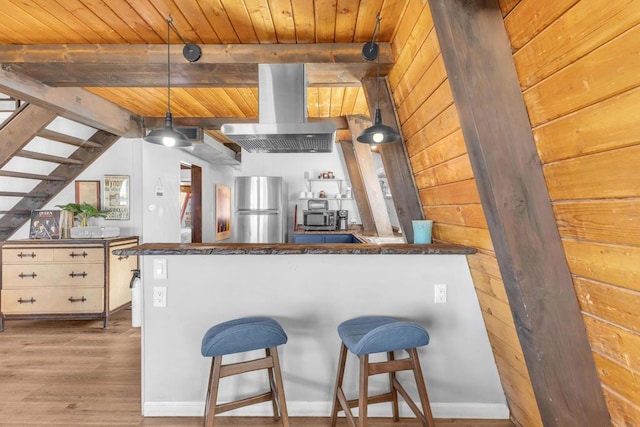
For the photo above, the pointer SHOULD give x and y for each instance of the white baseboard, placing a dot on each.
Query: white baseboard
(323, 409)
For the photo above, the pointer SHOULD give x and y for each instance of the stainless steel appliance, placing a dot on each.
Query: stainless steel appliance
(342, 221)
(318, 216)
(260, 215)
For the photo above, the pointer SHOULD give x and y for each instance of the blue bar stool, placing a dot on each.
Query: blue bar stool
(376, 334)
(236, 336)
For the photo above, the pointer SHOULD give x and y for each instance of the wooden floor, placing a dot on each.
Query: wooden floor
(74, 373)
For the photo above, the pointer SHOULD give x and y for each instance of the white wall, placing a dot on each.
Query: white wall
(147, 165)
(120, 159)
(161, 214)
(292, 167)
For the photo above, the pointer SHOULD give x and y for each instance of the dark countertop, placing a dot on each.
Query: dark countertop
(293, 249)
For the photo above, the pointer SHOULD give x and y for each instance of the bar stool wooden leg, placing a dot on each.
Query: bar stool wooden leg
(212, 392)
(274, 390)
(394, 392)
(338, 390)
(364, 390)
(282, 402)
(422, 389)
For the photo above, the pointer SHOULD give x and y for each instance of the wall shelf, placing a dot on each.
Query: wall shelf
(335, 185)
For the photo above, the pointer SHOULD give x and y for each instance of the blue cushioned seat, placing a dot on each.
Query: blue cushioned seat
(377, 334)
(239, 335)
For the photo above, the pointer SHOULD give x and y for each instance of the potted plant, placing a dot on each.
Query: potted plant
(83, 212)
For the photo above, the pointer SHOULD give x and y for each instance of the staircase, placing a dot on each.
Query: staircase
(40, 153)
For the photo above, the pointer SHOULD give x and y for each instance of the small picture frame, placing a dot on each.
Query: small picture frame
(223, 212)
(116, 196)
(45, 224)
(88, 192)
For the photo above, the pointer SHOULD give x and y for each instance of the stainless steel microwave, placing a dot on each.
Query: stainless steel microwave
(319, 220)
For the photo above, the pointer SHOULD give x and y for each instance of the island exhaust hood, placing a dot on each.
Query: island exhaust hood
(282, 109)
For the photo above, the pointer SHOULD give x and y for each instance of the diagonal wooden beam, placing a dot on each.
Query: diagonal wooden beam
(395, 158)
(23, 126)
(507, 169)
(72, 103)
(358, 190)
(367, 168)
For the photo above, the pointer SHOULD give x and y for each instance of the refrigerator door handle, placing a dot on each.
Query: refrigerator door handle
(258, 212)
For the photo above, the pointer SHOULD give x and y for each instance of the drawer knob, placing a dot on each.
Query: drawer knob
(72, 299)
(83, 274)
(121, 257)
(83, 254)
(26, 301)
(23, 255)
(23, 275)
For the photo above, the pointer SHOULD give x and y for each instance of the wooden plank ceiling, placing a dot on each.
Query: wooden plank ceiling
(117, 50)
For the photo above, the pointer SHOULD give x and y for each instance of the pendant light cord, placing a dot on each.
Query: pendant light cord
(378, 83)
(169, 21)
(375, 31)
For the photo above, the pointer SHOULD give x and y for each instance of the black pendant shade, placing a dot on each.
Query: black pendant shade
(378, 133)
(168, 136)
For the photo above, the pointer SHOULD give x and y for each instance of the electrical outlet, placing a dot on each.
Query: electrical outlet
(159, 296)
(440, 291)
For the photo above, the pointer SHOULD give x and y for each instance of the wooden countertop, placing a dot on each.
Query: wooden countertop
(293, 249)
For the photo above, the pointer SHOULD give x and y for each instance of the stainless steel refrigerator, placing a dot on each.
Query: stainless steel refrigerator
(260, 209)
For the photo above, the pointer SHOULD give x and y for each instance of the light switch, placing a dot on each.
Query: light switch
(160, 268)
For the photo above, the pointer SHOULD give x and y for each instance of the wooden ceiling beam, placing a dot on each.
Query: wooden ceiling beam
(327, 64)
(214, 123)
(72, 103)
(322, 53)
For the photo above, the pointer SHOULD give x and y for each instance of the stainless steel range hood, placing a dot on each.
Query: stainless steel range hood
(282, 109)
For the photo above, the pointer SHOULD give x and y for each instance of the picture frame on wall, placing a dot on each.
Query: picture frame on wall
(223, 212)
(88, 192)
(116, 196)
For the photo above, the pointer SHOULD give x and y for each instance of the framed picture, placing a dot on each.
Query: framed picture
(223, 212)
(116, 196)
(45, 224)
(88, 192)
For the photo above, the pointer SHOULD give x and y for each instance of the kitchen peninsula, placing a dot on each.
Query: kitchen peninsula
(310, 289)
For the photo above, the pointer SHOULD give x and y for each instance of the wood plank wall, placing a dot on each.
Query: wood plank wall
(578, 62)
(447, 188)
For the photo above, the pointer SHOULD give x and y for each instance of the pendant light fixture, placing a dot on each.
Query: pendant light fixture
(378, 133)
(168, 136)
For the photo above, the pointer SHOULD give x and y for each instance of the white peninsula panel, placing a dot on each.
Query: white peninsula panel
(310, 295)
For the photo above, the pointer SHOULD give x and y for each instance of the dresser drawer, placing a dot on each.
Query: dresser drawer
(52, 300)
(78, 255)
(20, 276)
(27, 255)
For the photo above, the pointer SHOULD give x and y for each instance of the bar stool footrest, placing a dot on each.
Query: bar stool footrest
(224, 407)
(372, 400)
(248, 366)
